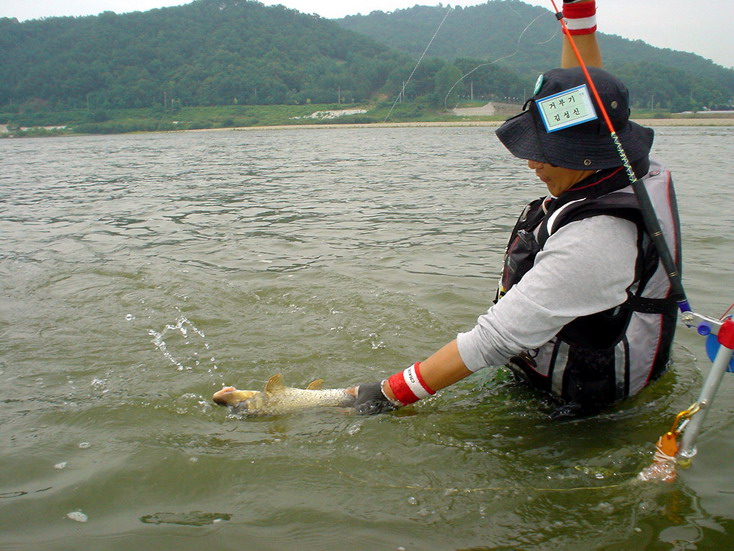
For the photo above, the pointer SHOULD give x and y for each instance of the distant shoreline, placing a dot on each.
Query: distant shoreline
(712, 121)
(728, 121)
(702, 121)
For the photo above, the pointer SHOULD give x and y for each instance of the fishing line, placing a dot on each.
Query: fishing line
(402, 92)
(517, 50)
(456, 491)
(727, 311)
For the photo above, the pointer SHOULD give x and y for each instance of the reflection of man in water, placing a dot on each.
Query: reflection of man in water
(583, 310)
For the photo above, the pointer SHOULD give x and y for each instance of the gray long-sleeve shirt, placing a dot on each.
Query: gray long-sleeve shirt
(584, 268)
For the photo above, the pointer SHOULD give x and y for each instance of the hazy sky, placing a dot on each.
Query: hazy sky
(701, 27)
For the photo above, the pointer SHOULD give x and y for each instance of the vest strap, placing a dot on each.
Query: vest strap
(648, 305)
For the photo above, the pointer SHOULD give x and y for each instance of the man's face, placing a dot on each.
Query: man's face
(558, 179)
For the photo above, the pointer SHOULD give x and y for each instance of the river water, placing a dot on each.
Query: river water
(140, 274)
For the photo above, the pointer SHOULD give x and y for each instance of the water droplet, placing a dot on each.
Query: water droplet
(413, 500)
(78, 516)
(129, 317)
(84, 445)
(61, 465)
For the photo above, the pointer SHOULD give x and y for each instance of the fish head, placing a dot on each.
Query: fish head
(250, 401)
(230, 396)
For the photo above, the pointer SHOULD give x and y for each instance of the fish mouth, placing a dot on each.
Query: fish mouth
(230, 396)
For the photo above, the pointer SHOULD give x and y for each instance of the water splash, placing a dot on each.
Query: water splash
(663, 471)
(182, 328)
(77, 516)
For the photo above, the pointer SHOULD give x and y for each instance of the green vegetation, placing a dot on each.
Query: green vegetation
(209, 52)
(237, 63)
(144, 119)
(525, 41)
(151, 119)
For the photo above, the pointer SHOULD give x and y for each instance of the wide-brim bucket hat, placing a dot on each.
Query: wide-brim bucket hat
(587, 145)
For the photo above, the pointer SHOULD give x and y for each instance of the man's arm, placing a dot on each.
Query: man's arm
(530, 314)
(440, 370)
(581, 20)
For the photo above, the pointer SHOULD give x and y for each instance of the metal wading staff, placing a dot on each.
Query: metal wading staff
(724, 331)
(668, 452)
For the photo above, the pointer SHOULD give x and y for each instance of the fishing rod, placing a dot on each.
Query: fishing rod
(650, 219)
(719, 333)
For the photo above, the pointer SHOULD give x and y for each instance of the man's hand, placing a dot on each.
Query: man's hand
(371, 400)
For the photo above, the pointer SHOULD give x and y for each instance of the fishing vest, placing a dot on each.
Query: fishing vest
(599, 359)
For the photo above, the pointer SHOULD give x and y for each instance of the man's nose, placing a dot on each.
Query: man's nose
(534, 165)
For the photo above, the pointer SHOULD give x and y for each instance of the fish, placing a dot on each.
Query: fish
(278, 399)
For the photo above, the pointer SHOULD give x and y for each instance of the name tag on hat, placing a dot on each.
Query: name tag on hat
(568, 108)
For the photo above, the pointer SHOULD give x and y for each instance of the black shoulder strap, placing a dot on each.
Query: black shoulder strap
(528, 219)
(619, 204)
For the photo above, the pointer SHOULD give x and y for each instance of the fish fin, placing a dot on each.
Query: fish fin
(275, 384)
(315, 385)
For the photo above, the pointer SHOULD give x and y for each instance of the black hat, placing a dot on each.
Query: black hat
(558, 125)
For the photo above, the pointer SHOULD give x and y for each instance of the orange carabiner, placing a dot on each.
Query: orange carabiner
(667, 444)
(666, 449)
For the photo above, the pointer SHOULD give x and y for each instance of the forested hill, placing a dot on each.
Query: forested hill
(225, 52)
(209, 52)
(527, 39)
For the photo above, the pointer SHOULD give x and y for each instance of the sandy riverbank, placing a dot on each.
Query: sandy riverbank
(643, 122)
(682, 121)
(702, 121)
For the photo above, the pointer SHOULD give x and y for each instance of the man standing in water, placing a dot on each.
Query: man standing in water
(583, 311)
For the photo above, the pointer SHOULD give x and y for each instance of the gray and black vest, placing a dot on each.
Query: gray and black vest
(599, 359)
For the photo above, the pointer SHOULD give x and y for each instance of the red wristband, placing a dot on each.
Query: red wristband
(408, 386)
(580, 17)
